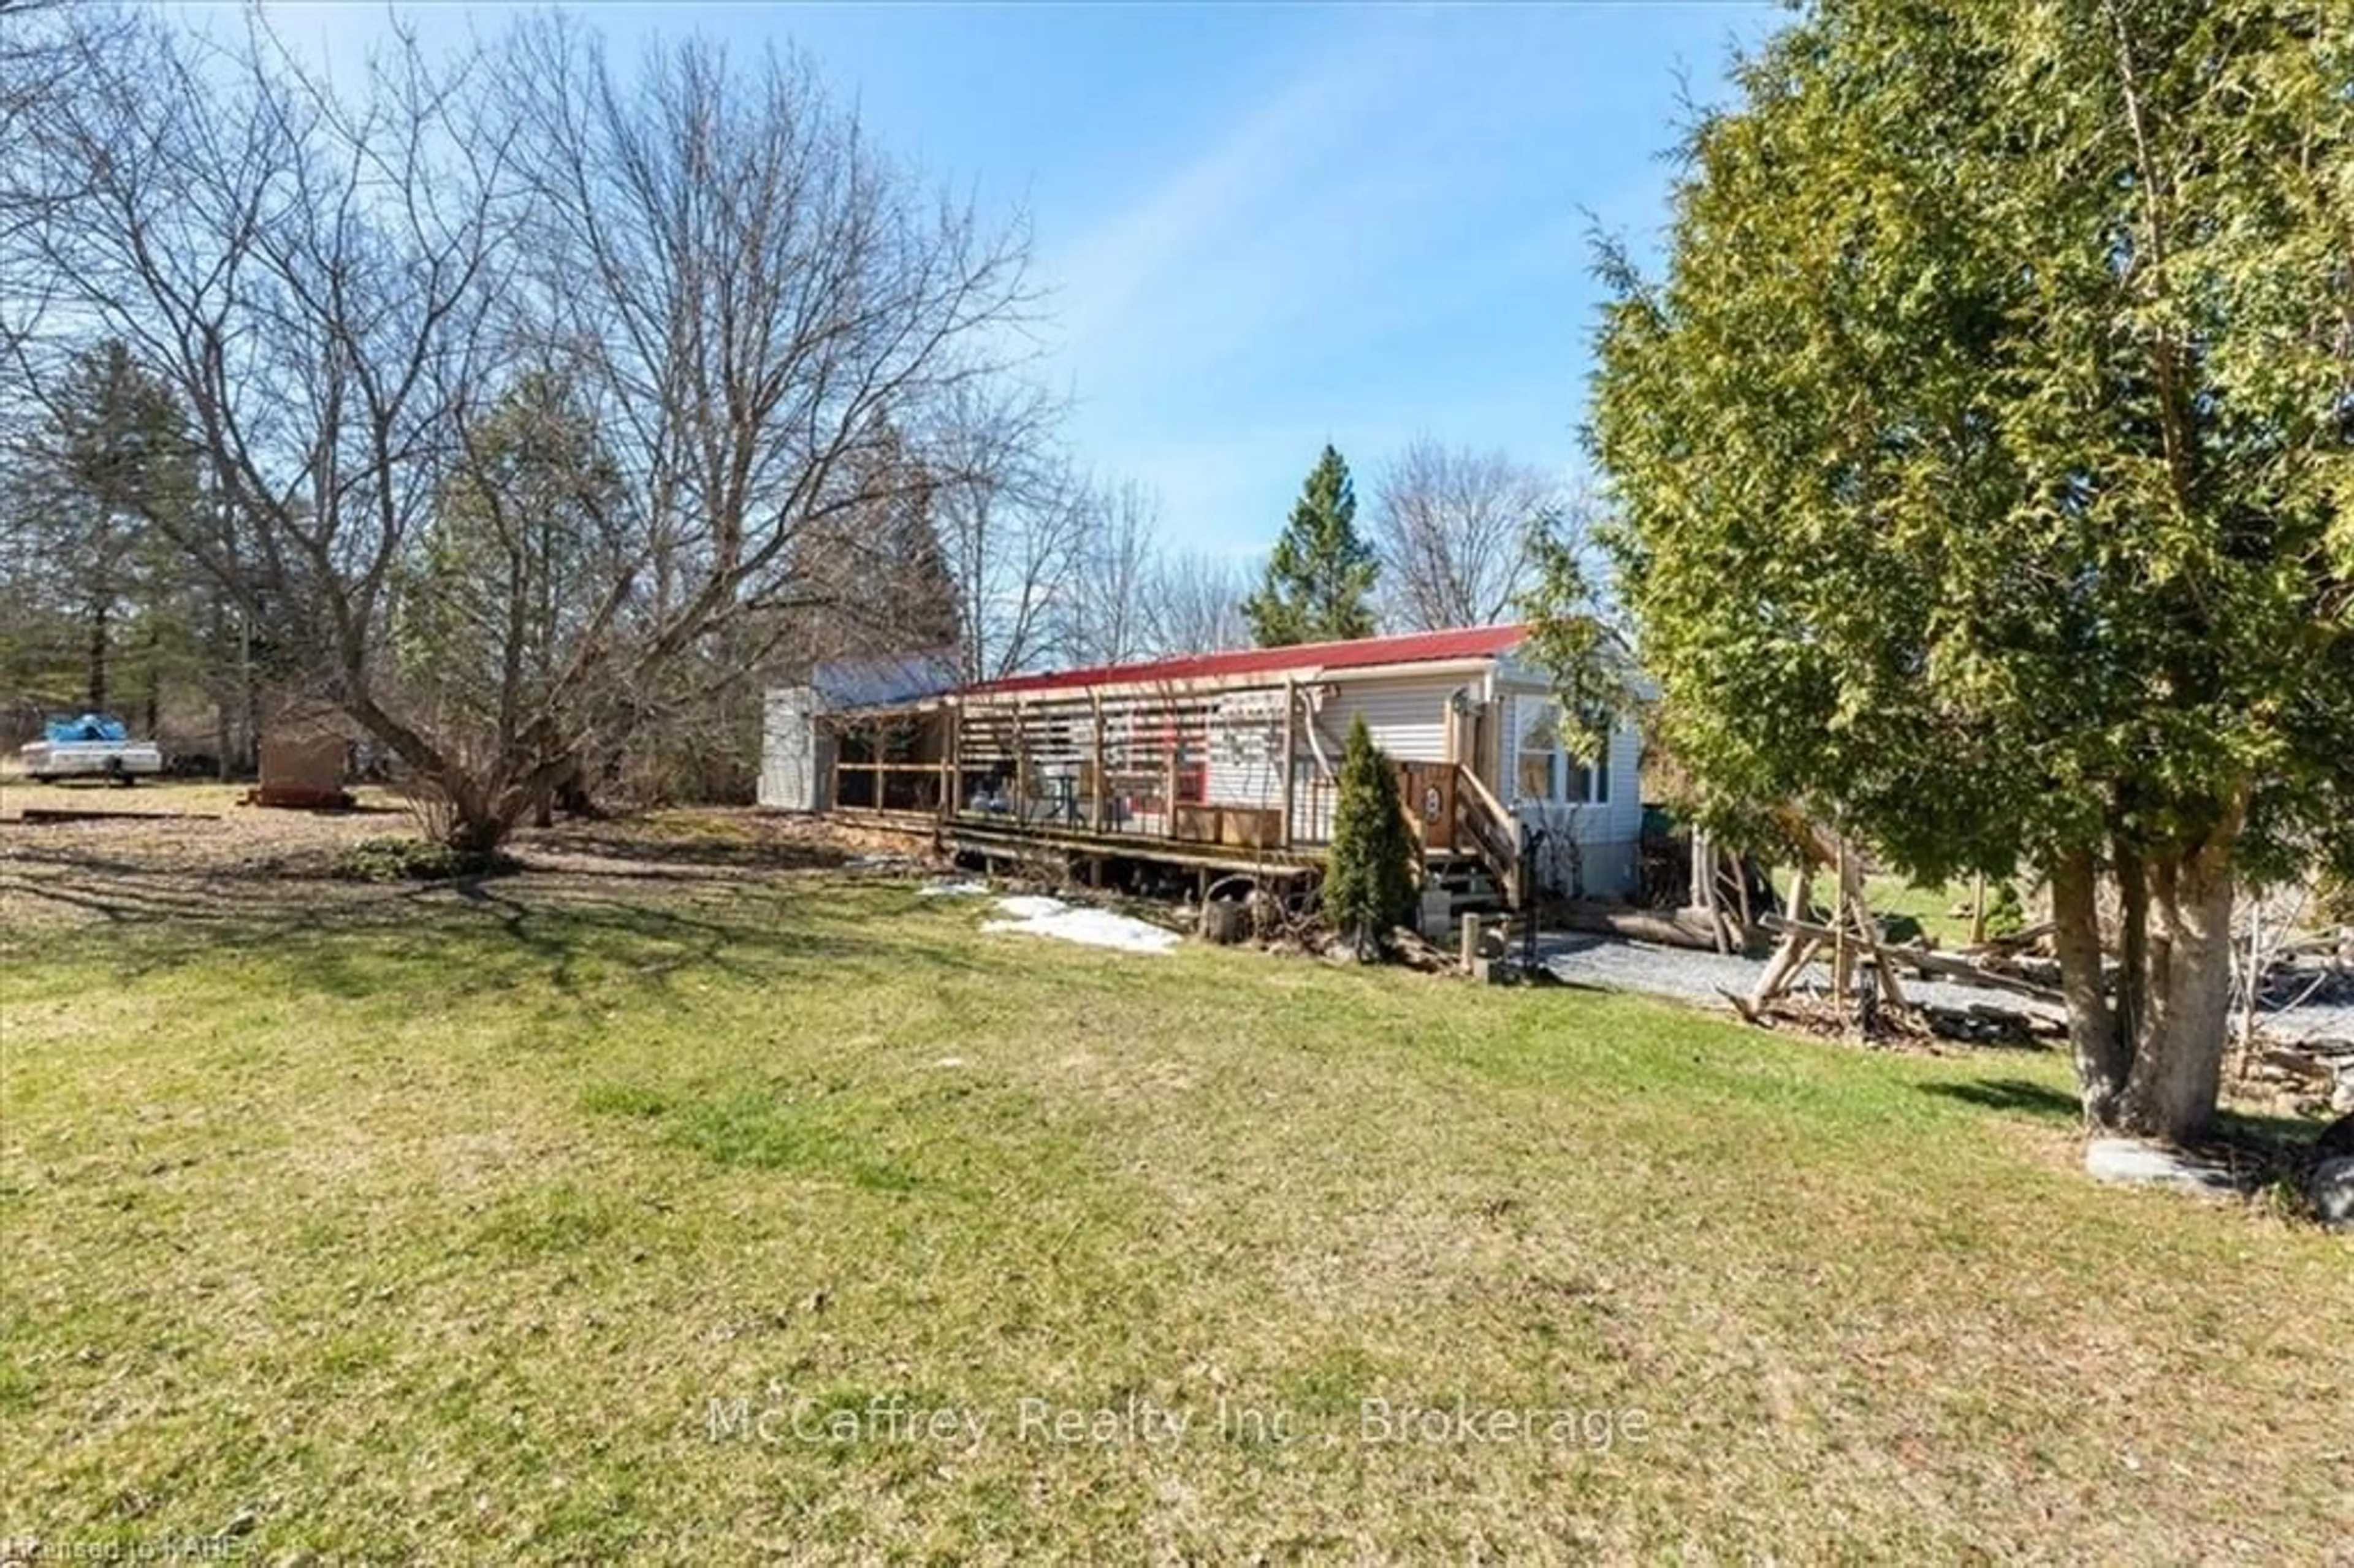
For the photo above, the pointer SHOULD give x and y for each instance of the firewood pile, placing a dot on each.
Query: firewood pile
(1869, 972)
(1917, 1026)
(2312, 968)
(2315, 1076)
(1986, 1023)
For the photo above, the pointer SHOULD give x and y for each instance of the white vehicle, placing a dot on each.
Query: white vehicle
(93, 746)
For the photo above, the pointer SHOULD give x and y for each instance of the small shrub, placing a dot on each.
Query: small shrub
(2006, 916)
(1367, 887)
(416, 859)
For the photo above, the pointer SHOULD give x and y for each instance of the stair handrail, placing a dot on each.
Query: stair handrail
(1492, 831)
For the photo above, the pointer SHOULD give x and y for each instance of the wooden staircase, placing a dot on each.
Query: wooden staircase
(1469, 843)
(1469, 887)
(1492, 837)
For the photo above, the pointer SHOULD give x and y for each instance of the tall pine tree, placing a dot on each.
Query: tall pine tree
(1320, 577)
(120, 456)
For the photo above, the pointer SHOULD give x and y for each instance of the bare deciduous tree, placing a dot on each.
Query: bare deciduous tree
(1453, 529)
(1194, 603)
(734, 288)
(1105, 615)
(874, 582)
(40, 43)
(1012, 516)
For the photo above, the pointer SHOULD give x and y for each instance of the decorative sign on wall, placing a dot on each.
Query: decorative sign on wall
(1243, 731)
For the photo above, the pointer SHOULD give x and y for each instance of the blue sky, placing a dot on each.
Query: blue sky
(1267, 227)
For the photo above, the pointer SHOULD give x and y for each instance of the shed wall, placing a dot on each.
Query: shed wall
(791, 770)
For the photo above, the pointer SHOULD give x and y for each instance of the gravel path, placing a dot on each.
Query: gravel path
(1609, 963)
(1687, 975)
(2330, 1020)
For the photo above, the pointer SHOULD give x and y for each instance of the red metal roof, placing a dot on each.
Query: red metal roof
(1364, 653)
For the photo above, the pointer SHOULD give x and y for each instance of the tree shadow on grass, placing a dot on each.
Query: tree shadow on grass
(643, 924)
(743, 848)
(2246, 1131)
(2041, 1101)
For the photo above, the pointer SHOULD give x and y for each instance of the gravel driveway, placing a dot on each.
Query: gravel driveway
(1609, 963)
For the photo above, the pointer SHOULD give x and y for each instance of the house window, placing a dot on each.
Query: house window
(1537, 777)
(1545, 771)
(1591, 783)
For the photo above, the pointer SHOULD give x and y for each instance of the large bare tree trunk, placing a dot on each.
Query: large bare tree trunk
(98, 642)
(742, 291)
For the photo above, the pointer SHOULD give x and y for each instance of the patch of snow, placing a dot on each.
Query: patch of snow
(1030, 906)
(952, 890)
(1042, 917)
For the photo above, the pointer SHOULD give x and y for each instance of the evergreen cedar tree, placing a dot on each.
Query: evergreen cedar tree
(1320, 576)
(1367, 885)
(1984, 463)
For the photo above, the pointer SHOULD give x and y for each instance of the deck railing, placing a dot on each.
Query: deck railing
(860, 785)
(1314, 800)
(1138, 809)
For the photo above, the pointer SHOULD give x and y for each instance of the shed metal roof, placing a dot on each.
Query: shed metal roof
(1359, 653)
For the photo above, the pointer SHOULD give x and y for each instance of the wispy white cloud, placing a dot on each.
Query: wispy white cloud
(1308, 276)
(1118, 278)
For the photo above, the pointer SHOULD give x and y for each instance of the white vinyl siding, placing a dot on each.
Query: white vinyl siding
(1407, 718)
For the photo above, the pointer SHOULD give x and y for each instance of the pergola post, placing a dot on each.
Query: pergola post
(1021, 765)
(946, 807)
(1095, 794)
(1290, 749)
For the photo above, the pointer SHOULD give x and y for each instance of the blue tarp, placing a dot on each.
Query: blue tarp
(87, 726)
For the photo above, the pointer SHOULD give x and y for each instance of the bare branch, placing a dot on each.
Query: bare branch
(1454, 530)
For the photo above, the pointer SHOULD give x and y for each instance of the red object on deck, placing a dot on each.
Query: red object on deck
(1364, 653)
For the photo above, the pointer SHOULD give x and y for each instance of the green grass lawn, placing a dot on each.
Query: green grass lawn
(437, 1228)
(1889, 893)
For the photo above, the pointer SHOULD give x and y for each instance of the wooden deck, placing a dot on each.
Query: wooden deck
(1204, 781)
(980, 835)
(989, 836)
